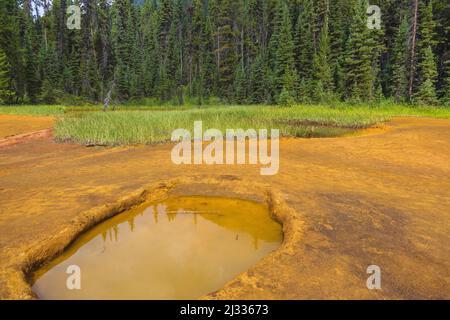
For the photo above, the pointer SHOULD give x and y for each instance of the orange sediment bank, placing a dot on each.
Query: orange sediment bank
(16, 125)
(46, 133)
(16, 129)
(345, 204)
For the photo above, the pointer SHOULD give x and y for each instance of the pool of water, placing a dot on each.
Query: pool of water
(182, 248)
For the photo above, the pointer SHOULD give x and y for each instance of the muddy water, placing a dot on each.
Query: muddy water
(181, 248)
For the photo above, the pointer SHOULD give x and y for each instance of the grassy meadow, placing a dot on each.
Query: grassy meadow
(147, 125)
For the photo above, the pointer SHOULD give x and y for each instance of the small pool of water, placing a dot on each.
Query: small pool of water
(182, 248)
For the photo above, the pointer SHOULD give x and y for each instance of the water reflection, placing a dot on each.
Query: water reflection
(181, 248)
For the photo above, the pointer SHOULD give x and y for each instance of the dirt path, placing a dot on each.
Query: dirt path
(346, 203)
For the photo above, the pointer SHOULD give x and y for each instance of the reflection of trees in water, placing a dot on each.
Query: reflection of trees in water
(112, 234)
(131, 223)
(172, 211)
(236, 220)
(116, 233)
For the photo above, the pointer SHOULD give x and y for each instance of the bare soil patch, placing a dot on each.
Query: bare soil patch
(12, 125)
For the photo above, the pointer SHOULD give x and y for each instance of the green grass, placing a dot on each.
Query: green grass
(145, 124)
(38, 110)
(145, 127)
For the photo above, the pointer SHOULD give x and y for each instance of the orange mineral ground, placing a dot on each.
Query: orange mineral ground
(381, 198)
(12, 125)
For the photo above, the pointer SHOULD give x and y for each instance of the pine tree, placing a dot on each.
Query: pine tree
(427, 70)
(5, 93)
(150, 60)
(137, 86)
(167, 34)
(255, 31)
(378, 49)
(359, 75)
(50, 74)
(445, 98)
(337, 19)
(399, 68)
(71, 72)
(50, 83)
(32, 82)
(240, 84)
(284, 70)
(323, 79)
(122, 27)
(258, 92)
(304, 49)
(196, 47)
(103, 47)
(10, 45)
(173, 54)
(90, 86)
(441, 13)
(58, 15)
(413, 48)
(426, 93)
(208, 72)
(226, 50)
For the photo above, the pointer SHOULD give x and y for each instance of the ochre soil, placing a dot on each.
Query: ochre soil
(12, 125)
(381, 198)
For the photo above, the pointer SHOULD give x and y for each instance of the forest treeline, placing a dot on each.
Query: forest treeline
(241, 51)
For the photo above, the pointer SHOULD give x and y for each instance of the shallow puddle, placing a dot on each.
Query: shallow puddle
(182, 248)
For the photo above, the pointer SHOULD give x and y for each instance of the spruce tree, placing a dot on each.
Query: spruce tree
(359, 77)
(427, 70)
(399, 68)
(337, 32)
(123, 43)
(10, 45)
(226, 48)
(50, 81)
(208, 71)
(103, 47)
(284, 70)
(173, 72)
(32, 82)
(72, 73)
(304, 49)
(323, 79)
(5, 93)
(441, 14)
(258, 92)
(255, 31)
(240, 84)
(196, 47)
(426, 92)
(445, 93)
(90, 87)
(150, 60)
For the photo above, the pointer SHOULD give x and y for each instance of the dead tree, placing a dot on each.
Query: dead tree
(107, 100)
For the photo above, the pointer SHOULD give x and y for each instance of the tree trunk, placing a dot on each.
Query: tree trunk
(413, 48)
